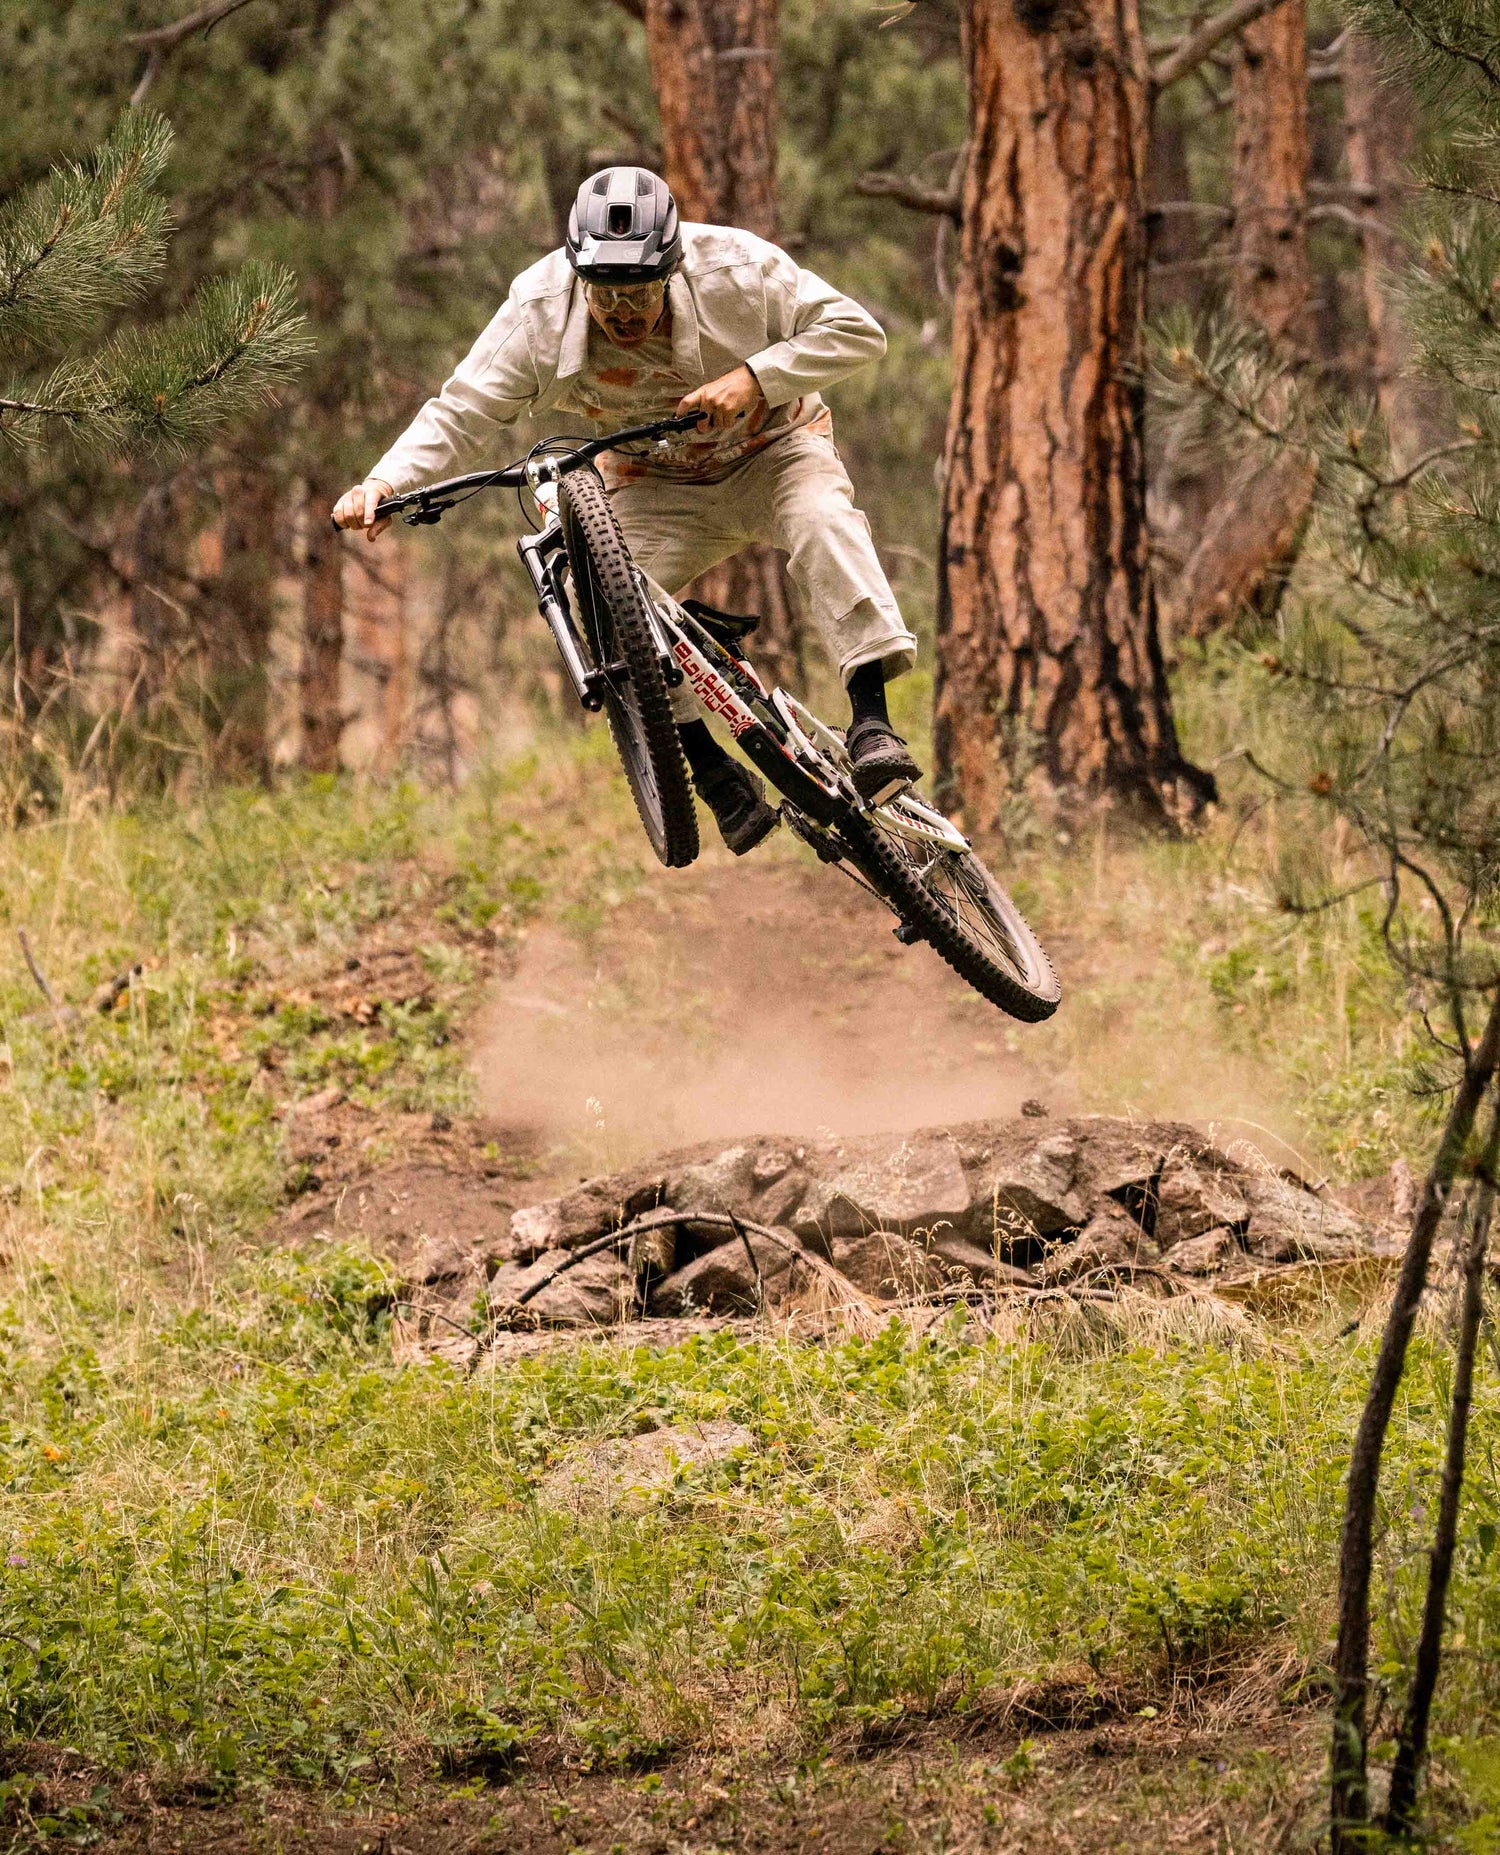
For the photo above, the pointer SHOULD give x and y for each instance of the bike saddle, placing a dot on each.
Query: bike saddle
(728, 627)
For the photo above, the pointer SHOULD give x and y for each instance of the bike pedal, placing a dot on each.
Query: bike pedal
(907, 934)
(887, 793)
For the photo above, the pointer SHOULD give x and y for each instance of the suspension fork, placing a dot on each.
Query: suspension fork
(544, 558)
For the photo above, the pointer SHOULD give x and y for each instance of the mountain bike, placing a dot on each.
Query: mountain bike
(625, 645)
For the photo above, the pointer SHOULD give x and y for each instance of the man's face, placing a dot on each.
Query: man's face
(628, 312)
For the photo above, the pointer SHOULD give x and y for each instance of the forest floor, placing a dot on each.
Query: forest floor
(268, 1586)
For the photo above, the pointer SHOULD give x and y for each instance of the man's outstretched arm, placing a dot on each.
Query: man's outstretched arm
(493, 386)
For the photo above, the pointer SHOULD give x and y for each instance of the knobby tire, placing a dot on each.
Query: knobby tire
(639, 712)
(1031, 999)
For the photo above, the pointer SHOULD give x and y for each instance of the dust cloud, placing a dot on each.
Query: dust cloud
(770, 996)
(728, 999)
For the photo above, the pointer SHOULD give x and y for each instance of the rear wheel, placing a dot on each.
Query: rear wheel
(612, 611)
(949, 898)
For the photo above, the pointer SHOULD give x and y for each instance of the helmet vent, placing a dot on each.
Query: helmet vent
(620, 220)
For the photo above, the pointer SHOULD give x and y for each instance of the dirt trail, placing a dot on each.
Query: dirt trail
(737, 998)
(770, 995)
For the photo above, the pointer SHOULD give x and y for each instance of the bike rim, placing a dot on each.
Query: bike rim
(959, 888)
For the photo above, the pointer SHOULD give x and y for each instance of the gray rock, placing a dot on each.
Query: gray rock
(444, 1259)
(1107, 1239)
(1289, 1223)
(1206, 1254)
(597, 1292)
(577, 1217)
(1194, 1195)
(1023, 1188)
(889, 1267)
(771, 1164)
(983, 1265)
(1122, 1158)
(726, 1182)
(910, 1184)
(722, 1281)
(634, 1467)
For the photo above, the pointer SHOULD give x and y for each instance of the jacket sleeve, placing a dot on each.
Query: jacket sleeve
(826, 335)
(493, 386)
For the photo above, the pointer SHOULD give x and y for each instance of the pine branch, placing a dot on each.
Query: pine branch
(166, 388)
(85, 240)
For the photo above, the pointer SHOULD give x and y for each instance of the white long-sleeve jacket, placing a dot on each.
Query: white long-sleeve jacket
(734, 298)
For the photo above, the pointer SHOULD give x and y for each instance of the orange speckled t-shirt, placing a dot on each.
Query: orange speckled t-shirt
(633, 386)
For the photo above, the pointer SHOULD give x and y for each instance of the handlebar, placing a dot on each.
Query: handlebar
(433, 502)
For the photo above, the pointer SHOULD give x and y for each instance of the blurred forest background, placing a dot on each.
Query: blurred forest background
(405, 163)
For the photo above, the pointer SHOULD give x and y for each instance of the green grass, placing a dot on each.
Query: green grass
(241, 1538)
(154, 1123)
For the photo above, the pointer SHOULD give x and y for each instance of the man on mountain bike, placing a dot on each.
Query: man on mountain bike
(636, 318)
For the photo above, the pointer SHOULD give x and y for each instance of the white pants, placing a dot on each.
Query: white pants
(796, 495)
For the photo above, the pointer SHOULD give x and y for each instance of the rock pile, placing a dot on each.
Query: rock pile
(989, 1205)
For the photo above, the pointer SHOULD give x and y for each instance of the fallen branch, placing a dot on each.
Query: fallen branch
(1191, 50)
(40, 977)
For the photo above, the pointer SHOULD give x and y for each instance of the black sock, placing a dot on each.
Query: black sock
(699, 748)
(867, 694)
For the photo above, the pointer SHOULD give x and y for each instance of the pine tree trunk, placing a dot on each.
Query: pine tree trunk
(685, 76)
(1381, 147)
(322, 629)
(1271, 277)
(376, 611)
(1046, 622)
(323, 560)
(714, 69)
(158, 551)
(1254, 535)
(239, 645)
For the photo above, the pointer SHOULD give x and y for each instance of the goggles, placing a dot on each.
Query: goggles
(611, 299)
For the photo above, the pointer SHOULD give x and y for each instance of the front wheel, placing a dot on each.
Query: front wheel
(612, 609)
(946, 896)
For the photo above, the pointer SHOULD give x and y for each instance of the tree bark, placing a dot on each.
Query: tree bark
(377, 606)
(322, 629)
(1253, 537)
(1411, 1741)
(158, 552)
(714, 69)
(1349, 1796)
(323, 562)
(1272, 281)
(239, 644)
(1249, 545)
(1381, 146)
(1046, 621)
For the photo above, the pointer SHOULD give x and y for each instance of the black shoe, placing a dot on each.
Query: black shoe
(882, 767)
(737, 800)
